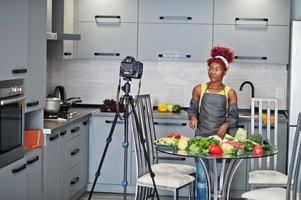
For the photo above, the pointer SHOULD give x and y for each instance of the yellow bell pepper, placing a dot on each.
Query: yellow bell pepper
(162, 107)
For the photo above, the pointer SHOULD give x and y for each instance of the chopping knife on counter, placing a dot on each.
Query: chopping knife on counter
(213, 107)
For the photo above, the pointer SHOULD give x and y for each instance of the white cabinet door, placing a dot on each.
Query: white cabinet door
(181, 42)
(112, 11)
(13, 181)
(36, 81)
(277, 12)
(107, 41)
(112, 169)
(34, 182)
(176, 11)
(268, 44)
(13, 38)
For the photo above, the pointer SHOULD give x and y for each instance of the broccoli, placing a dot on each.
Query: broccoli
(256, 137)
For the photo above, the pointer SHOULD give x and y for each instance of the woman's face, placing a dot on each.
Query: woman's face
(216, 72)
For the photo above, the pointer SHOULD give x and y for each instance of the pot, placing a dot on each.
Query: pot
(52, 105)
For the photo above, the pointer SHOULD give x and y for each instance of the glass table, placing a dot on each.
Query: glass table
(219, 176)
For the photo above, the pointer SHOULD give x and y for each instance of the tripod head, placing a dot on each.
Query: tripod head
(126, 88)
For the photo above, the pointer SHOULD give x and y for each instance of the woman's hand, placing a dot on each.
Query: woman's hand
(223, 130)
(193, 122)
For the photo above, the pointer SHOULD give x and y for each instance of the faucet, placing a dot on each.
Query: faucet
(252, 87)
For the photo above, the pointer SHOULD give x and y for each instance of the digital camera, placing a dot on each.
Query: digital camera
(130, 68)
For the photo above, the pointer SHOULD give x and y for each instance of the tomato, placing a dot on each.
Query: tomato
(215, 150)
(258, 150)
(174, 135)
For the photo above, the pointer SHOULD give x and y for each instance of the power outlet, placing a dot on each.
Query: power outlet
(280, 93)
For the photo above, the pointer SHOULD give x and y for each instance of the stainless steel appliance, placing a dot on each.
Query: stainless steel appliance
(294, 81)
(11, 121)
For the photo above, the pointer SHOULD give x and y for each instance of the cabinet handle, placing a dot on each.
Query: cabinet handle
(19, 71)
(111, 122)
(14, 171)
(170, 124)
(32, 104)
(35, 159)
(251, 19)
(74, 180)
(86, 122)
(240, 126)
(178, 56)
(74, 152)
(175, 18)
(106, 54)
(63, 133)
(170, 158)
(108, 19)
(251, 57)
(67, 54)
(52, 138)
(75, 129)
(263, 127)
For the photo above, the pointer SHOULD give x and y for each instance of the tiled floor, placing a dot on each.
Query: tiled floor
(111, 196)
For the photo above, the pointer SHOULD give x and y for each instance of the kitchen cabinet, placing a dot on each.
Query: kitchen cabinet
(13, 181)
(64, 164)
(113, 11)
(269, 12)
(111, 174)
(255, 44)
(36, 81)
(96, 40)
(13, 39)
(163, 42)
(85, 152)
(34, 175)
(176, 11)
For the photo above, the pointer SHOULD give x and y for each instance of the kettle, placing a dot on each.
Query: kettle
(59, 92)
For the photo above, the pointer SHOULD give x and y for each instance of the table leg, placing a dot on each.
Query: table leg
(219, 188)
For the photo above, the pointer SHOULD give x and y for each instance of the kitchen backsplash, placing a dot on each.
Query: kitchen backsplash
(167, 82)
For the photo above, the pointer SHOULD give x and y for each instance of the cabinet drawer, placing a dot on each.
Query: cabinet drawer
(73, 131)
(72, 152)
(180, 42)
(108, 11)
(163, 127)
(269, 44)
(73, 181)
(276, 12)
(176, 11)
(107, 42)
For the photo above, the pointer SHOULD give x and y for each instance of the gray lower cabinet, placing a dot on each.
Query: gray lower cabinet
(65, 159)
(36, 80)
(13, 181)
(111, 174)
(34, 174)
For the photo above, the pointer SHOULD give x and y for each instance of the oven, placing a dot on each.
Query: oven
(11, 121)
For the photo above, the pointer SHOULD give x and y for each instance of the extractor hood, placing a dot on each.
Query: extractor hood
(60, 20)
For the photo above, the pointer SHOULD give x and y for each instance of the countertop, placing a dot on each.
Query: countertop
(245, 116)
(53, 125)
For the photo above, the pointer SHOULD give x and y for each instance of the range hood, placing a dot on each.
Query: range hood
(60, 20)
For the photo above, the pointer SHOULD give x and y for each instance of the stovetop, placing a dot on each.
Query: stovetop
(60, 115)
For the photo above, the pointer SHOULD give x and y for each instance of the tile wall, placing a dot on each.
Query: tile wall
(167, 82)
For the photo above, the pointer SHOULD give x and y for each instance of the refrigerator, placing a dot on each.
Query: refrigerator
(294, 82)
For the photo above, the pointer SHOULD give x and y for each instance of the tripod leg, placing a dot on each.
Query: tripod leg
(146, 155)
(125, 145)
(108, 141)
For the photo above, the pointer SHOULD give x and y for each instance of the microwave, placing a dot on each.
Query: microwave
(12, 102)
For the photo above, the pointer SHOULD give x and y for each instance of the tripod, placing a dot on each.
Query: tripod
(127, 100)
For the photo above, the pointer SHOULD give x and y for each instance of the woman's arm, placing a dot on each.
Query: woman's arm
(193, 110)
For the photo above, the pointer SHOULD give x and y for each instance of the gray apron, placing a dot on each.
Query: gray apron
(212, 113)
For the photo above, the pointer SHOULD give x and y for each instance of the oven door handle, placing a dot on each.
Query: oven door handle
(13, 100)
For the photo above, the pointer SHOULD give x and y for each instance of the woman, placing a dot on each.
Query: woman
(213, 108)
